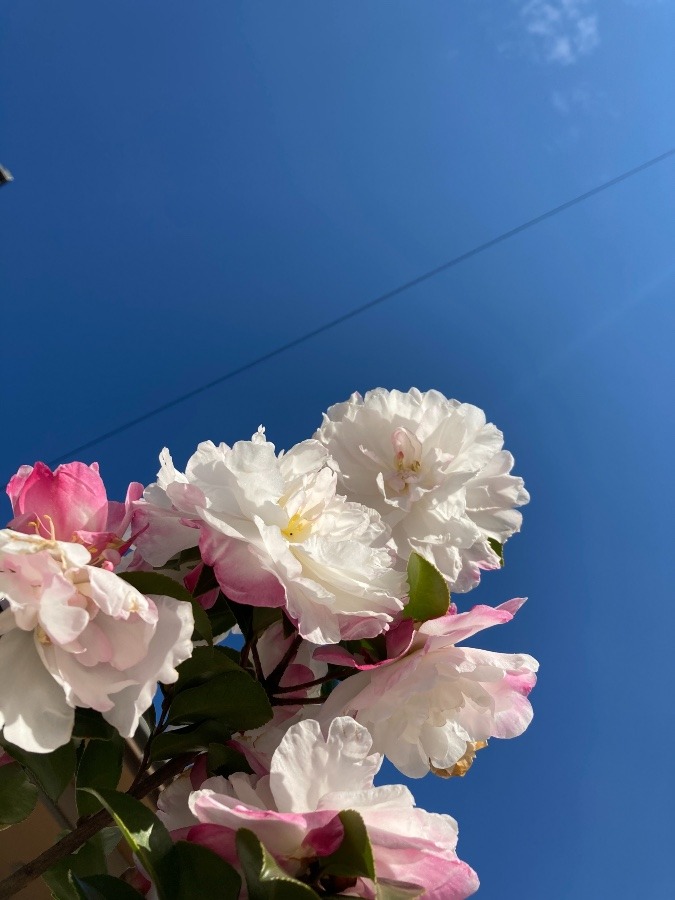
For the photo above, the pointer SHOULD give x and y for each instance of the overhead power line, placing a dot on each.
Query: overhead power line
(345, 317)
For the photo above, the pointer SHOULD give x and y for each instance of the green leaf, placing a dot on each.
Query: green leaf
(243, 616)
(220, 615)
(204, 664)
(201, 873)
(145, 834)
(155, 583)
(226, 761)
(90, 724)
(397, 890)
(253, 619)
(104, 887)
(195, 738)
(150, 717)
(18, 795)
(206, 581)
(265, 879)
(88, 860)
(50, 771)
(100, 767)
(110, 836)
(264, 616)
(354, 857)
(498, 549)
(428, 592)
(233, 698)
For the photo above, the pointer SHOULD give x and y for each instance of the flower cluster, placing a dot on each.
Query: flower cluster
(327, 569)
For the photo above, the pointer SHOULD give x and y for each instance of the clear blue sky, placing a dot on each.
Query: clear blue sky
(197, 183)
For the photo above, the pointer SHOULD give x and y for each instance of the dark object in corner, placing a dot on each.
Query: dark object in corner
(5, 176)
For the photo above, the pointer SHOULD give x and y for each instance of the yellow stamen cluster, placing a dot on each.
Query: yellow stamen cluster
(462, 765)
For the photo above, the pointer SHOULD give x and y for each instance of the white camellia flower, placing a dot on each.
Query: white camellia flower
(435, 471)
(429, 708)
(315, 774)
(72, 634)
(277, 534)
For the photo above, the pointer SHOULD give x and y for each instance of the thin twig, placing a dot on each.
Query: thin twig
(260, 675)
(275, 676)
(291, 701)
(332, 676)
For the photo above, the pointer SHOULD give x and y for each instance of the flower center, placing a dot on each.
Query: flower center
(42, 636)
(298, 528)
(407, 460)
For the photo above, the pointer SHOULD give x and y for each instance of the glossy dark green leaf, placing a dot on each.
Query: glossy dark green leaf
(264, 616)
(194, 738)
(354, 857)
(50, 771)
(156, 583)
(265, 879)
(206, 581)
(100, 767)
(104, 887)
(201, 873)
(233, 698)
(18, 795)
(150, 717)
(145, 835)
(220, 615)
(88, 860)
(204, 664)
(428, 592)
(498, 549)
(397, 890)
(226, 761)
(243, 616)
(202, 622)
(90, 724)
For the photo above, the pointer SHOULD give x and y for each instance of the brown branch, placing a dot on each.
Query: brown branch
(275, 676)
(89, 827)
(332, 676)
(292, 701)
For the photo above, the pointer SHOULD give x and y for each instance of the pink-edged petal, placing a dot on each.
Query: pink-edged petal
(73, 497)
(170, 645)
(119, 514)
(461, 626)
(239, 571)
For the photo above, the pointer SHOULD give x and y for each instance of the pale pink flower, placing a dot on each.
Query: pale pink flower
(435, 471)
(73, 634)
(71, 504)
(294, 811)
(165, 520)
(427, 708)
(277, 533)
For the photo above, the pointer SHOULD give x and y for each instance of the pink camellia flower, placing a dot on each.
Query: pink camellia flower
(294, 811)
(71, 504)
(429, 707)
(72, 634)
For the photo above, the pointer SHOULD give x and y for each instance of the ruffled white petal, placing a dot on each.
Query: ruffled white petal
(33, 709)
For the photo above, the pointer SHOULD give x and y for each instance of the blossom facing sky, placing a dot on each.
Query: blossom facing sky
(436, 472)
(277, 533)
(314, 774)
(71, 504)
(74, 634)
(428, 708)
